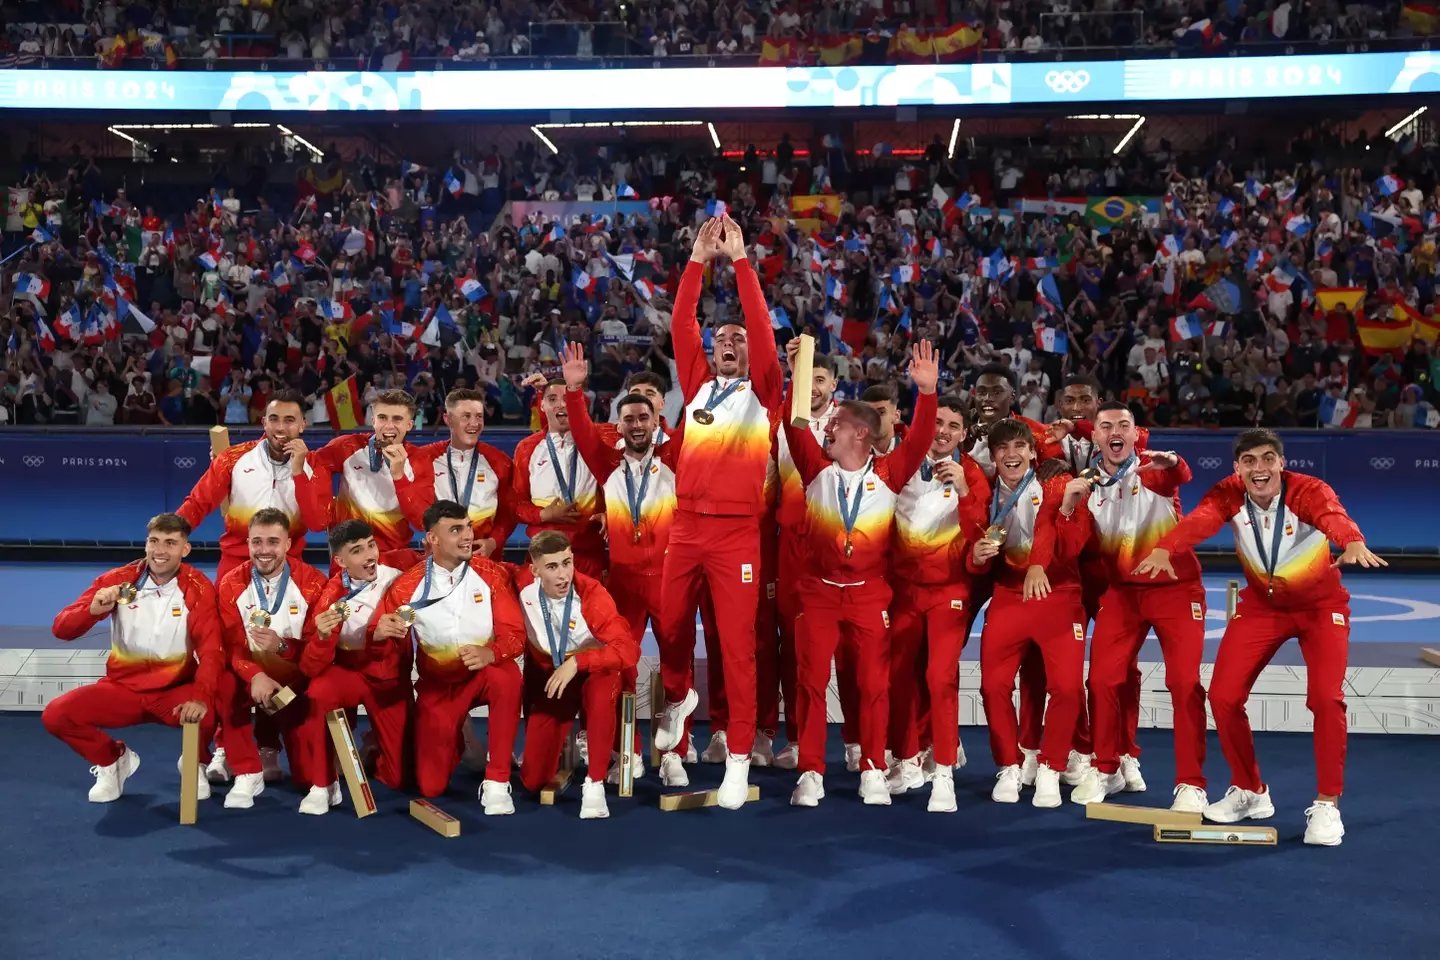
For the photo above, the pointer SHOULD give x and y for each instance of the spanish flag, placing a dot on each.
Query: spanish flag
(960, 40)
(343, 404)
(777, 53)
(1326, 298)
(1380, 336)
(1426, 328)
(1423, 18)
(839, 50)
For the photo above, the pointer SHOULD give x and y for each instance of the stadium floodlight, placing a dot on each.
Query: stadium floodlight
(315, 152)
(954, 135)
(1139, 122)
(544, 139)
(714, 135)
(1404, 123)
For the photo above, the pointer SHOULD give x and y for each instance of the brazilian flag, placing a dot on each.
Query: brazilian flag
(1112, 211)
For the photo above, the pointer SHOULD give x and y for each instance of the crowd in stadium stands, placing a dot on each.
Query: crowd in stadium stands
(1202, 291)
(392, 34)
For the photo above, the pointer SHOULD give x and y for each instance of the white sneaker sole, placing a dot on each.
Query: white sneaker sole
(1046, 803)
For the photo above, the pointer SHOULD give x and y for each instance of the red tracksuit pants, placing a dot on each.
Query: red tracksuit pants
(928, 628)
(244, 728)
(830, 617)
(387, 705)
(1055, 625)
(1128, 611)
(1250, 642)
(767, 633)
(78, 716)
(441, 709)
(792, 564)
(547, 722)
(723, 554)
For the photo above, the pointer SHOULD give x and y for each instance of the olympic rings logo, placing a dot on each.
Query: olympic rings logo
(33, 461)
(185, 463)
(1067, 81)
(1382, 463)
(1209, 463)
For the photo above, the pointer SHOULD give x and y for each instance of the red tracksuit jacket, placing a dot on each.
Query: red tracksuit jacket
(934, 527)
(1034, 537)
(536, 486)
(598, 634)
(246, 477)
(1129, 519)
(147, 663)
(346, 644)
(372, 496)
(237, 600)
(492, 499)
(1304, 575)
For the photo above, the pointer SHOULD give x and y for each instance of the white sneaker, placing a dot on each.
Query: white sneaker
(1007, 785)
(809, 790)
(672, 771)
(671, 727)
(247, 787)
(942, 792)
(582, 748)
(690, 755)
(336, 797)
(927, 763)
(717, 749)
(1130, 770)
(592, 801)
(270, 765)
(1189, 799)
(904, 776)
(110, 780)
(637, 764)
(960, 758)
(789, 757)
(873, 789)
(735, 788)
(1077, 765)
(319, 800)
(202, 790)
(1047, 788)
(495, 799)
(1097, 786)
(218, 771)
(1238, 804)
(1322, 824)
(762, 754)
(852, 757)
(1028, 767)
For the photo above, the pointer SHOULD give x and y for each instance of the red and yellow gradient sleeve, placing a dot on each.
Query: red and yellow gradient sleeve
(319, 649)
(1210, 515)
(765, 374)
(599, 458)
(504, 522)
(76, 620)
(525, 510)
(691, 365)
(974, 507)
(1314, 502)
(900, 465)
(214, 486)
(618, 649)
(415, 498)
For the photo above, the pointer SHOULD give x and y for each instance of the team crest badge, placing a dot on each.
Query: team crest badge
(747, 573)
(1079, 632)
(885, 617)
(479, 597)
(175, 612)
(1197, 612)
(1338, 619)
(957, 604)
(294, 609)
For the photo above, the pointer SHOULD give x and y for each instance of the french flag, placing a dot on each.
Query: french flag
(1225, 207)
(335, 310)
(780, 319)
(1036, 264)
(1228, 238)
(31, 285)
(453, 184)
(997, 267)
(715, 208)
(41, 235)
(887, 302)
(935, 250)
(441, 329)
(70, 321)
(647, 288)
(1389, 185)
(46, 337)
(905, 274)
(1170, 245)
(208, 261)
(1298, 224)
(1286, 192)
(582, 280)
(943, 200)
(1052, 340)
(1257, 260)
(817, 262)
(1216, 328)
(626, 192)
(1336, 412)
(471, 289)
(835, 289)
(904, 322)
(1048, 294)
(1256, 190)
(403, 328)
(1187, 326)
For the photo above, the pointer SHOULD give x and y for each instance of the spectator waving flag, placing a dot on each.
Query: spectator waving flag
(208, 260)
(582, 280)
(1337, 412)
(70, 322)
(835, 289)
(817, 262)
(1298, 224)
(31, 285)
(453, 184)
(903, 274)
(904, 322)
(715, 208)
(41, 235)
(1225, 207)
(1048, 294)
(1217, 328)
(780, 319)
(1389, 185)
(1187, 326)
(342, 402)
(471, 289)
(396, 328)
(1052, 339)
(441, 330)
(1258, 260)
(44, 335)
(335, 311)
(626, 192)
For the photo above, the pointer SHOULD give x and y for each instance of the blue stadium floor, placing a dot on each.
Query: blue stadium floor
(995, 881)
(1392, 613)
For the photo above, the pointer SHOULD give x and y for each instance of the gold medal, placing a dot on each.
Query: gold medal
(1089, 474)
(259, 618)
(127, 593)
(996, 534)
(636, 537)
(342, 610)
(703, 416)
(406, 614)
(849, 548)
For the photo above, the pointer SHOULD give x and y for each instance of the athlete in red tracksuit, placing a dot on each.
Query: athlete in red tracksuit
(1128, 509)
(850, 497)
(790, 560)
(462, 612)
(1284, 524)
(637, 480)
(1036, 603)
(264, 605)
(248, 477)
(555, 490)
(374, 471)
(940, 512)
(165, 658)
(572, 619)
(346, 671)
(720, 491)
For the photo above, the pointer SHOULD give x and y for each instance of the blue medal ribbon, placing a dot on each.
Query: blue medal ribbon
(637, 499)
(850, 506)
(998, 513)
(1275, 537)
(425, 598)
(927, 469)
(718, 396)
(558, 645)
(1098, 459)
(464, 501)
(259, 585)
(567, 488)
(377, 459)
(353, 591)
(143, 578)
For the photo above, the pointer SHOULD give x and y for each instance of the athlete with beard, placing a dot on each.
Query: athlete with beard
(249, 477)
(1284, 524)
